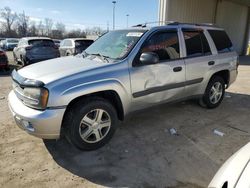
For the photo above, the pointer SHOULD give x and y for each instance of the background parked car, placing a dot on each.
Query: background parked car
(9, 43)
(1, 42)
(235, 172)
(34, 49)
(57, 42)
(74, 46)
(3, 60)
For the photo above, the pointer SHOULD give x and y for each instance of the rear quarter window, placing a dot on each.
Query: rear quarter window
(221, 41)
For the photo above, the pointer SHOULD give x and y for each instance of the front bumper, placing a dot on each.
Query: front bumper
(43, 124)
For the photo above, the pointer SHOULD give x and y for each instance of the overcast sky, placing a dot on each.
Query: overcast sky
(86, 13)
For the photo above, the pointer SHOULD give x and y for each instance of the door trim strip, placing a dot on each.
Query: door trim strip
(166, 87)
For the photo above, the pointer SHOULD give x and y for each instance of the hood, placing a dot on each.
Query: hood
(54, 69)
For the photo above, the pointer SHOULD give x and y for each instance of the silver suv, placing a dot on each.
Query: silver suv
(85, 96)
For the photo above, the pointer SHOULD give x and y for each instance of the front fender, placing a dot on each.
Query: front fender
(63, 98)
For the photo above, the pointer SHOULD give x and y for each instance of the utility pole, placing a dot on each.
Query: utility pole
(127, 19)
(114, 2)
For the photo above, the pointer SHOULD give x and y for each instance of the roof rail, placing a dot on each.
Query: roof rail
(156, 22)
(195, 24)
(175, 23)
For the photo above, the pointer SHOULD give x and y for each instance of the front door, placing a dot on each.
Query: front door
(154, 83)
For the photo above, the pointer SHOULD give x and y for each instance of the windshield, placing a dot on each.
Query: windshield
(116, 44)
(12, 41)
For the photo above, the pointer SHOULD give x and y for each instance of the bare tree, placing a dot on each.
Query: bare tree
(48, 23)
(9, 19)
(22, 24)
(33, 31)
(60, 27)
(12, 25)
(94, 31)
(59, 31)
(76, 34)
(40, 28)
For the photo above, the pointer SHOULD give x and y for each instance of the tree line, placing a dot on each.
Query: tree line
(19, 25)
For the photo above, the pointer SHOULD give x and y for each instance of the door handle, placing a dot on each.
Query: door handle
(211, 63)
(177, 69)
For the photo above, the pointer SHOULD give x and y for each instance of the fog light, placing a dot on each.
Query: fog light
(28, 126)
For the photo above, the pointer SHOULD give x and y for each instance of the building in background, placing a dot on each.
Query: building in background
(232, 15)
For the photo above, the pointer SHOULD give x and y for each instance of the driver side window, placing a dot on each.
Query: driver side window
(164, 44)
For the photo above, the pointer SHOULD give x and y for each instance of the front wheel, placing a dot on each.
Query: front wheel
(214, 93)
(91, 123)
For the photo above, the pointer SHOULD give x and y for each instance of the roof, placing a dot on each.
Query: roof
(11, 38)
(35, 38)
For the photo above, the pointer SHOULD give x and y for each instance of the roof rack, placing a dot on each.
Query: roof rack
(195, 24)
(175, 23)
(156, 22)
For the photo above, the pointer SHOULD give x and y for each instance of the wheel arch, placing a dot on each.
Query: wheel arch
(225, 74)
(110, 95)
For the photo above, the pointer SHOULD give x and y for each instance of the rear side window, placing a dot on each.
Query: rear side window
(196, 43)
(164, 44)
(221, 41)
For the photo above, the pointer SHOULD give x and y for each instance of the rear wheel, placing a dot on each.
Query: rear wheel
(214, 93)
(90, 124)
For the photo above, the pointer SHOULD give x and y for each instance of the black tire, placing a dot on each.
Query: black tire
(205, 101)
(78, 111)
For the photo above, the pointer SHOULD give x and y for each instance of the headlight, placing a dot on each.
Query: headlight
(36, 97)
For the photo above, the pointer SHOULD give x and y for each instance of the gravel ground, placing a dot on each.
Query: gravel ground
(142, 152)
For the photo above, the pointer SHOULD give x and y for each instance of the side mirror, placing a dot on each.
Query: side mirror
(149, 58)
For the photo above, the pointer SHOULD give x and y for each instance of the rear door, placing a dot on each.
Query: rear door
(164, 81)
(198, 59)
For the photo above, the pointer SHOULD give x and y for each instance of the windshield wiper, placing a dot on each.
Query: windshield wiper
(103, 57)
